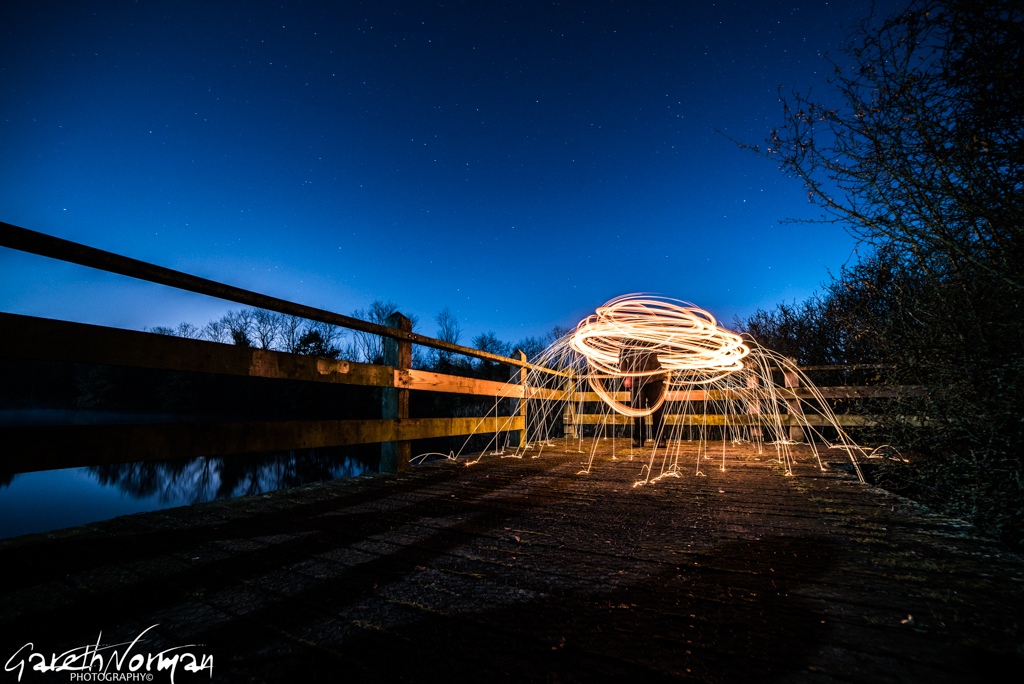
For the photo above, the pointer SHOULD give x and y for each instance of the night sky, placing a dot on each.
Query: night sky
(520, 163)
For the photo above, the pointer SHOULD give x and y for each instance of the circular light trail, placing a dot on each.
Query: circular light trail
(711, 381)
(690, 346)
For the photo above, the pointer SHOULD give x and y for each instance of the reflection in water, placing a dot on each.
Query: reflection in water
(205, 479)
(56, 499)
(37, 394)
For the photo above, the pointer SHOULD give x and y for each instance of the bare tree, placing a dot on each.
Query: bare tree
(927, 155)
(489, 342)
(217, 331)
(240, 324)
(183, 329)
(350, 352)
(291, 332)
(312, 343)
(810, 332)
(371, 346)
(265, 327)
(531, 346)
(557, 333)
(188, 331)
(448, 330)
(331, 335)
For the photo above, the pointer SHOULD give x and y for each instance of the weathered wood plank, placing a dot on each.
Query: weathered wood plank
(42, 339)
(862, 392)
(748, 395)
(754, 403)
(517, 378)
(791, 378)
(848, 366)
(438, 382)
(394, 402)
(546, 393)
(809, 573)
(29, 449)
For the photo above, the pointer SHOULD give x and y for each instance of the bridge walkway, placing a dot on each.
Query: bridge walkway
(526, 570)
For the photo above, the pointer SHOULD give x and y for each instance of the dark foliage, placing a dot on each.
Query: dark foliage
(925, 163)
(239, 338)
(312, 344)
(805, 332)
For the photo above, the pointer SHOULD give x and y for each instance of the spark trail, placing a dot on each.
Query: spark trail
(715, 383)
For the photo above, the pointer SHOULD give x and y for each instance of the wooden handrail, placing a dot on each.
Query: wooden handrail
(25, 240)
(43, 339)
(783, 392)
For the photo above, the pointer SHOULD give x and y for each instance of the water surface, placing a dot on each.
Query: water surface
(55, 499)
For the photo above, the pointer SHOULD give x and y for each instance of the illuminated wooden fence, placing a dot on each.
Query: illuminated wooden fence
(35, 448)
(795, 396)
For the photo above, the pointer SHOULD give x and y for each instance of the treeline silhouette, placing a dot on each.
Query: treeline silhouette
(925, 165)
(281, 332)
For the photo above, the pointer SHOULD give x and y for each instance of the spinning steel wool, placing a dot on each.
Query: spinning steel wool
(714, 383)
(687, 341)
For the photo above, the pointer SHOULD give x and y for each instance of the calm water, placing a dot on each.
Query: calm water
(40, 394)
(52, 500)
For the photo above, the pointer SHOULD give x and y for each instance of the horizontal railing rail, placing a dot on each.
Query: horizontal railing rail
(784, 392)
(30, 449)
(43, 339)
(795, 396)
(25, 240)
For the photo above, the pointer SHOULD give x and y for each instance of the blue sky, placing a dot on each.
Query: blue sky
(520, 163)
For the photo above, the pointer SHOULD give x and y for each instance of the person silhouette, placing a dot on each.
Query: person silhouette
(637, 359)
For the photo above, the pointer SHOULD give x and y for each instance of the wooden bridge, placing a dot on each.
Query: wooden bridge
(525, 570)
(51, 341)
(510, 569)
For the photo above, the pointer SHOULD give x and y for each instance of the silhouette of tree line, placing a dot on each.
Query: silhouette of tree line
(264, 329)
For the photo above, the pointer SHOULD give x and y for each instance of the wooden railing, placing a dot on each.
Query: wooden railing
(752, 416)
(34, 448)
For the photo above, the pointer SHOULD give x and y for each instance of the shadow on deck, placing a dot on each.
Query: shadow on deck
(526, 570)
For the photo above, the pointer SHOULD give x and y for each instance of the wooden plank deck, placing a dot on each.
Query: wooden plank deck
(525, 570)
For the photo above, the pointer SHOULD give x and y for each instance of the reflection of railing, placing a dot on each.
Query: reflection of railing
(32, 448)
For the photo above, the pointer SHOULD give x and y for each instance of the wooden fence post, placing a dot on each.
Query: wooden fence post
(518, 438)
(754, 405)
(569, 416)
(792, 379)
(394, 456)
